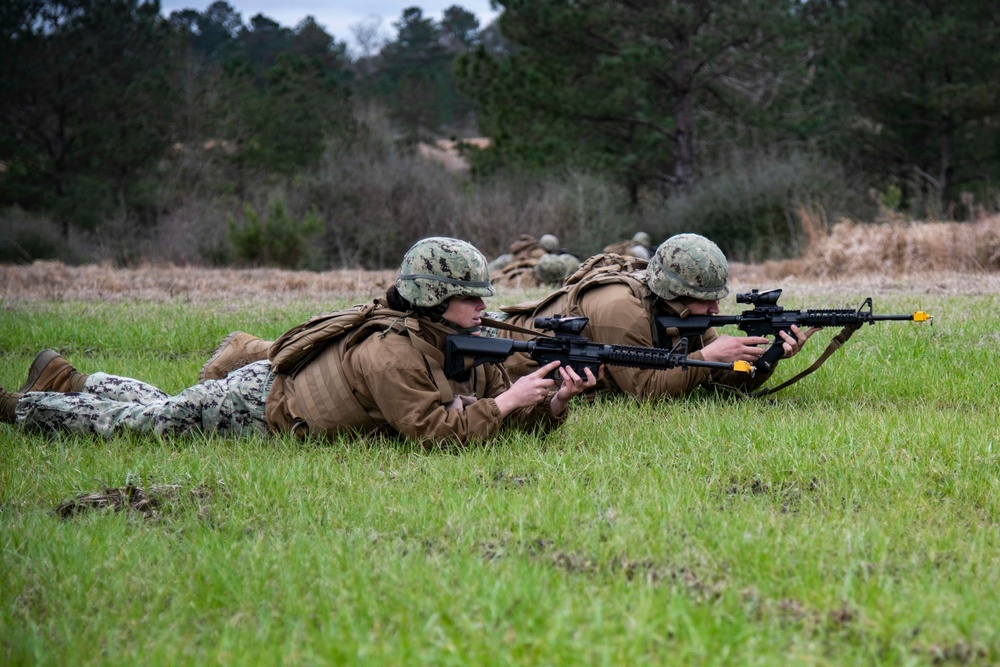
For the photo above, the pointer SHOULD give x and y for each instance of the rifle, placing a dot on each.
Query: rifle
(567, 346)
(767, 318)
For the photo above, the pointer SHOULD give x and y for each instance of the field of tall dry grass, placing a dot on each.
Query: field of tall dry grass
(936, 257)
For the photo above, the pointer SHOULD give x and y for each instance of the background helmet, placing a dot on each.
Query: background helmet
(501, 261)
(571, 262)
(549, 242)
(643, 239)
(550, 268)
(438, 268)
(688, 265)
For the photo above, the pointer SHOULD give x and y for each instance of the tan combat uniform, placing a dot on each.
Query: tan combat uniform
(517, 275)
(526, 247)
(620, 248)
(394, 384)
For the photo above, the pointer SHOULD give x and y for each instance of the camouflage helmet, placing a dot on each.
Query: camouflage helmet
(643, 239)
(549, 242)
(438, 268)
(688, 265)
(500, 261)
(550, 268)
(571, 262)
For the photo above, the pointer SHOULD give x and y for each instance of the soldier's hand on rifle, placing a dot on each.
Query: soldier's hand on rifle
(793, 344)
(573, 385)
(728, 349)
(528, 390)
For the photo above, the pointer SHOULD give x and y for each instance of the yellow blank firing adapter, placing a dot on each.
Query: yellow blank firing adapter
(921, 316)
(743, 367)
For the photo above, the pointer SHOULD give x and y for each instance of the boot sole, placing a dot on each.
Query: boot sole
(43, 359)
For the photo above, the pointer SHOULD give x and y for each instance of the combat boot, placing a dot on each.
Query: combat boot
(235, 351)
(8, 403)
(50, 372)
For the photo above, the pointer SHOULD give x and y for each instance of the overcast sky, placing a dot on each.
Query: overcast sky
(337, 16)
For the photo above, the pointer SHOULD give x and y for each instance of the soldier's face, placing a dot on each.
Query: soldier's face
(699, 307)
(464, 311)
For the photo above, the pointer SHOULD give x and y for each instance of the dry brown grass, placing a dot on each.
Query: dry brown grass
(58, 282)
(894, 248)
(932, 257)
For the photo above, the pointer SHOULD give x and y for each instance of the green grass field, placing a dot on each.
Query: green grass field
(853, 518)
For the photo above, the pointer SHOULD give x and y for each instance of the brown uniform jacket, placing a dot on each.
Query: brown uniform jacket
(393, 382)
(618, 316)
(526, 247)
(621, 248)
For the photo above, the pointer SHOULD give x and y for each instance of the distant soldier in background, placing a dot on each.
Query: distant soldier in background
(526, 247)
(552, 269)
(638, 246)
(519, 267)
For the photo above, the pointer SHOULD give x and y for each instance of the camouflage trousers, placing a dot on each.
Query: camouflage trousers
(110, 403)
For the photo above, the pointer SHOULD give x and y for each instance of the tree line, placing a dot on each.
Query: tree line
(112, 111)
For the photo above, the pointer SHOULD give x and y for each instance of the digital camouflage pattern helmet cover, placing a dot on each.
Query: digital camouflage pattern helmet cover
(571, 262)
(438, 268)
(550, 268)
(688, 265)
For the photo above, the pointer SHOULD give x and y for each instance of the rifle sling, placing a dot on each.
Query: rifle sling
(499, 324)
(834, 345)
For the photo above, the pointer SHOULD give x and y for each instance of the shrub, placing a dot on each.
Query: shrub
(750, 208)
(275, 239)
(25, 238)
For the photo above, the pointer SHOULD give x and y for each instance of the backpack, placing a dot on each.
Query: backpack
(304, 342)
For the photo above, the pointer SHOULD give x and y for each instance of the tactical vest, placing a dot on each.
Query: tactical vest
(321, 398)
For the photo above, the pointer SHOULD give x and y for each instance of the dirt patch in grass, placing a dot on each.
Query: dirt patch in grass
(148, 502)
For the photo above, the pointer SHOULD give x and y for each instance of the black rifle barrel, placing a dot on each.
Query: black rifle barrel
(546, 350)
(578, 353)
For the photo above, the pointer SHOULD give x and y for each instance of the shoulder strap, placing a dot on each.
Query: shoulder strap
(834, 345)
(608, 268)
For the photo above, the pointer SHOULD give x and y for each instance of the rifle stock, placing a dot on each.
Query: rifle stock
(463, 352)
(767, 318)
